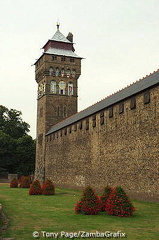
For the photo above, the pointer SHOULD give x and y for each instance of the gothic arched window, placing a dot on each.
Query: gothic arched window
(57, 72)
(62, 87)
(68, 72)
(53, 86)
(62, 72)
(73, 73)
(70, 88)
(51, 71)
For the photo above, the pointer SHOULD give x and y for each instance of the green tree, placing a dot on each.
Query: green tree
(25, 153)
(17, 148)
(7, 153)
(11, 123)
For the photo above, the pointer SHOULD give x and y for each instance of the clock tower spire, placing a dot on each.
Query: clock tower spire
(56, 72)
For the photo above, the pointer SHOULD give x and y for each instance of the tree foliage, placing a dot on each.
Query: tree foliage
(25, 154)
(12, 124)
(17, 148)
(7, 153)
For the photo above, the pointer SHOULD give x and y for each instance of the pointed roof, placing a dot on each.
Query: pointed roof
(59, 45)
(59, 37)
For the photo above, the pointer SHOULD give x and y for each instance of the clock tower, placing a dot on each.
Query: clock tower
(56, 73)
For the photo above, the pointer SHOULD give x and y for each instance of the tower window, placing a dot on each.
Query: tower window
(68, 72)
(57, 72)
(70, 89)
(62, 87)
(53, 87)
(54, 58)
(51, 71)
(63, 59)
(73, 73)
(41, 89)
(62, 91)
(72, 59)
(62, 72)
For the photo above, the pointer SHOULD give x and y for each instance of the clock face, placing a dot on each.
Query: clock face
(62, 85)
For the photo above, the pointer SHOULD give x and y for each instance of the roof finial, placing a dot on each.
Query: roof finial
(58, 24)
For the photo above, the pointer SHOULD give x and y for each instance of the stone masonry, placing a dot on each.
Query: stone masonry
(120, 150)
(114, 142)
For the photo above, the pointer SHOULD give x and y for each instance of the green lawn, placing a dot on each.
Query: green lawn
(56, 214)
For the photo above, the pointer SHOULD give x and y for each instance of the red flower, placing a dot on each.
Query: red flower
(118, 204)
(90, 203)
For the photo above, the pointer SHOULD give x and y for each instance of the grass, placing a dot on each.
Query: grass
(56, 213)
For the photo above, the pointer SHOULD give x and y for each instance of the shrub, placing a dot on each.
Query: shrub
(48, 188)
(20, 179)
(118, 204)
(25, 182)
(104, 197)
(14, 183)
(35, 188)
(89, 204)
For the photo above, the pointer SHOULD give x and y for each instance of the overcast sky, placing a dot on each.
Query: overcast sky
(119, 40)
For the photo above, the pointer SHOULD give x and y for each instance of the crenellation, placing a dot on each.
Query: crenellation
(113, 142)
(104, 151)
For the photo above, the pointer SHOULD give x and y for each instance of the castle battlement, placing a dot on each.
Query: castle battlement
(113, 142)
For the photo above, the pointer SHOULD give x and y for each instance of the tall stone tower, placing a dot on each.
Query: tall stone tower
(56, 72)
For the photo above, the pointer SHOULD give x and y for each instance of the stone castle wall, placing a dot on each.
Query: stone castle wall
(117, 146)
